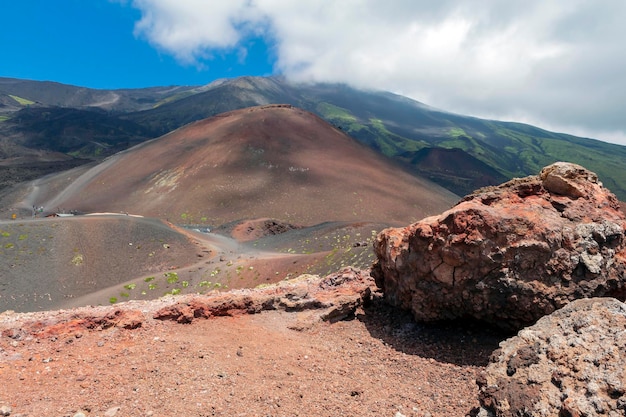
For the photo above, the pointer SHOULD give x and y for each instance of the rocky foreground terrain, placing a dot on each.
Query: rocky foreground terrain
(308, 347)
(540, 246)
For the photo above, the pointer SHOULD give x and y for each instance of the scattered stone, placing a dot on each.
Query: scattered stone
(5, 410)
(570, 363)
(509, 254)
(112, 412)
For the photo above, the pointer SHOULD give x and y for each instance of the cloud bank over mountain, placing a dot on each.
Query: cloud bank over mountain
(554, 64)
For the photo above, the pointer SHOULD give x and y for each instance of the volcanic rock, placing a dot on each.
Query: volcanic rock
(570, 363)
(331, 298)
(335, 296)
(509, 254)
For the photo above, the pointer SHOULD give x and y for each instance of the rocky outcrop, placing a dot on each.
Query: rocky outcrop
(569, 364)
(331, 298)
(509, 254)
(334, 297)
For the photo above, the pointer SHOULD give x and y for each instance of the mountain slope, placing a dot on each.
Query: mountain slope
(77, 132)
(19, 93)
(47, 263)
(218, 97)
(396, 126)
(399, 127)
(272, 161)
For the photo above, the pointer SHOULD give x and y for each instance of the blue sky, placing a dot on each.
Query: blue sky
(91, 43)
(554, 64)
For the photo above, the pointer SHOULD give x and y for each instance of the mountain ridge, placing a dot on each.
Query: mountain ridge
(391, 124)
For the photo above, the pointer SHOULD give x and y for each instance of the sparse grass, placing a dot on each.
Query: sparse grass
(174, 291)
(78, 259)
(172, 277)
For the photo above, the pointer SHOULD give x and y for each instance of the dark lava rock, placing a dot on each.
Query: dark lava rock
(570, 363)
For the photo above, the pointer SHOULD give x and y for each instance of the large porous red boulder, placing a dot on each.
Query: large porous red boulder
(571, 363)
(509, 254)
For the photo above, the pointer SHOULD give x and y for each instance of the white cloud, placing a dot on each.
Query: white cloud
(549, 62)
(192, 29)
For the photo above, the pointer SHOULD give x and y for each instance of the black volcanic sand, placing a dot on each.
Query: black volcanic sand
(97, 260)
(47, 262)
(264, 162)
(226, 263)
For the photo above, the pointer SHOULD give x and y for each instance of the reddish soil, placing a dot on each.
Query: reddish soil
(272, 161)
(120, 361)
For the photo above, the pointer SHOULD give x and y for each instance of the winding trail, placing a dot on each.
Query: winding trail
(214, 252)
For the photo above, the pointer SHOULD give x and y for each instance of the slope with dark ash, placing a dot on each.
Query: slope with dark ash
(273, 161)
(53, 94)
(89, 134)
(46, 263)
(455, 169)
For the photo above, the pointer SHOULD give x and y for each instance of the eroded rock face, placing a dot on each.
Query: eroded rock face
(570, 363)
(335, 297)
(332, 298)
(509, 254)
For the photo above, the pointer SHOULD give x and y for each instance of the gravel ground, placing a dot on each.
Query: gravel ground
(276, 363)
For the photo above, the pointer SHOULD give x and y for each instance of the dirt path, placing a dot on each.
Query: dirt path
(214, 253)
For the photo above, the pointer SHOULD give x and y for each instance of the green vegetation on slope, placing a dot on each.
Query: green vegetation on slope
(335, 113)
(22, 101)
(340, 117)
(455, 132)
(392, 144)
